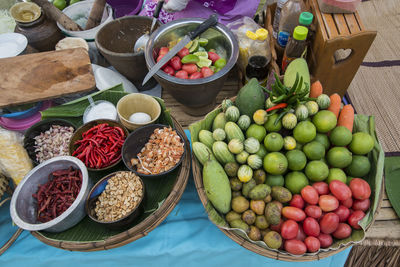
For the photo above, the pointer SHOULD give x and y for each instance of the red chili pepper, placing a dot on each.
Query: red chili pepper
(278, 106)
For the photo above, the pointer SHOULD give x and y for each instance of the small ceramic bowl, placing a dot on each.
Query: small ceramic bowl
(133, 103)
(25, 12)
(112, 112)
(78, 136)
(96, 191)
(137, 140)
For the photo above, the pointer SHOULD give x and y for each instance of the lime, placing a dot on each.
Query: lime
(270, 125)
(324, 121)
(336, 174)
(339, 157)
(217, 69)
(340, 136)
(220, 63)
(201, 49)
(262, 151)
(203, 41)
(60, 4)
(195, 46)
(323, 139)
(275, 163)
(295, 181)
(73, 2)
(296, 160)
(299, 146)
(348, 180)
(256, 131)
(314, 150)
(273, 142)
(289, 143)
(359, 166)
(304, 132)
(201, 54)
(273, 180)
(204, 62)
(190, 59)
(317, 171)
(362, 143)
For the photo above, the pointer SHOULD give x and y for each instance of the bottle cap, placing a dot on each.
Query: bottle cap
(305, 18)
(260, 34)
(300, 33)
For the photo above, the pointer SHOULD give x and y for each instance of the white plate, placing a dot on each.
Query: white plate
(106, 78)
(12, 44)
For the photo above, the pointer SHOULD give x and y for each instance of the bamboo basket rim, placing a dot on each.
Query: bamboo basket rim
(144, 227)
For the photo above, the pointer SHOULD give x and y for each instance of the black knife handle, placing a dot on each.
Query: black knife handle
(158, 9)
(211, 21)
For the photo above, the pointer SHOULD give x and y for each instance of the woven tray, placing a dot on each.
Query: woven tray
(177, 180)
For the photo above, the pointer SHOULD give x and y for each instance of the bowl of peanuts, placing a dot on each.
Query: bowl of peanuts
(116, 200)
(153, 150)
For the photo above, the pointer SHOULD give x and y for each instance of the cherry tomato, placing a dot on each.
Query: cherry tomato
(300, 234)
(343, 231)
(340, 190)
(361, 204)
(312, 244)
(206, 71)
(184, 52)
(176, 63)
(313, 211)
(181, 74)
(289, 229)
(293, 213)
(348, 203)
(321, 187)
(213, 56)
(343, 213)
(169, 70)
(309, 194)
(163, 51)
(189, 68)
(328, 202)
(297, 201)
(329, 223)
(325, 240)
(196, 75)
(311, 227)
(360, 188)
(276, 227)
(295, 247)
(355, 217)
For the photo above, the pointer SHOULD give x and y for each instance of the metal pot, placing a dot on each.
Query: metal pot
(197, 96)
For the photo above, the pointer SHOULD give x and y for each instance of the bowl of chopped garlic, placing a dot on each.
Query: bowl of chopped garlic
(153, 150)
(116, 200)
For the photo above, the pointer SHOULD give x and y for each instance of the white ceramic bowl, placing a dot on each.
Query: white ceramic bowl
(12, 44)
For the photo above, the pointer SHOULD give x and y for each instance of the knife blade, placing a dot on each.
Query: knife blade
(211, 21)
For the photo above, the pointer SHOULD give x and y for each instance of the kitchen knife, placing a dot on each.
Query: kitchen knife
(211, 21)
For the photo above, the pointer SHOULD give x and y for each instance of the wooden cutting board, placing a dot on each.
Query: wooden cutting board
(40, 76)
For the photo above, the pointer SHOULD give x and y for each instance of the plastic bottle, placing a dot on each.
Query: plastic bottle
(305, 19)
(289, 20)
(275, 24)
(296, 46)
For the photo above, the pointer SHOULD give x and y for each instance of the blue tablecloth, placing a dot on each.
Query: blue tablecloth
(185, 238)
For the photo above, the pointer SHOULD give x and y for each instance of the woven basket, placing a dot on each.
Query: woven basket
(144, 227)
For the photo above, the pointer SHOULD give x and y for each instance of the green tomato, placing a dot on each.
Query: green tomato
(60, 4)
(220, 63)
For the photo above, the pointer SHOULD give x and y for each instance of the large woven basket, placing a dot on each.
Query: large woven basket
(144, 227)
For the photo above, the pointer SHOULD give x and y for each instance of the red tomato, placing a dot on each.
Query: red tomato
(343, 213)
(196, 75)
(169, 70)
(329, 223)
(297, 201)
(295, 247)
(189, 68)
(309, 194)
(300, 234)
(160, 57)
(293, 213)
(328, 202)
(206, 71)
(312, 244)
(348, 203)
(213, 56)
(343, 231)
(311, 227)
(360, 188)
(276, 227)
(325, 240)
(181, 74)
(289, 229)
(184, 52)
(313, 211)
(163, 51)
(355, 217)
(361, 204)
(340, 190)
(176, 63)
(321, 187)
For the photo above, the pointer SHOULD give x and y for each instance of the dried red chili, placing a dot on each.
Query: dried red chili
(58, 194)
(100, 146)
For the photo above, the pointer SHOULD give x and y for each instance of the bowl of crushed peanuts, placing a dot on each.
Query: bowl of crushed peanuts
(153, 150)
(116, 200)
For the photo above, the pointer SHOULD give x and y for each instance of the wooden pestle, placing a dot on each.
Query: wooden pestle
(55, 14)
(96, 13)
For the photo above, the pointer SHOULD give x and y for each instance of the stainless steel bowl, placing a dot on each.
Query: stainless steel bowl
(198, 96)
(23, 205)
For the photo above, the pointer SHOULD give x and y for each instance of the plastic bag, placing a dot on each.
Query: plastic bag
(14, 160)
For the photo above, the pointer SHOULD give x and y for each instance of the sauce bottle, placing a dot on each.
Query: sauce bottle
(296, 47)
(257, 68)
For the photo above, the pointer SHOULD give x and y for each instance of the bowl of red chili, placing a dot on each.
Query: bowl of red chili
(52, 195)
(98, 144)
